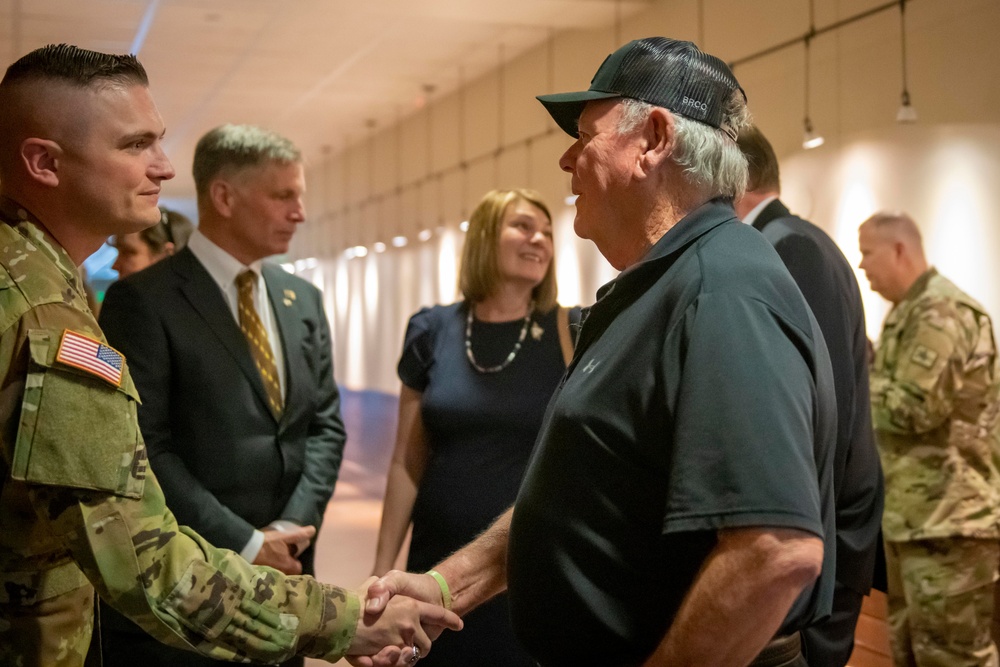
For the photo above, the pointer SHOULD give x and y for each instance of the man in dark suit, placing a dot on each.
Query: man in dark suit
(829, 286)
(232, 359)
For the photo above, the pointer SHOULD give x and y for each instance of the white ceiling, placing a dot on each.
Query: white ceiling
(313, 70)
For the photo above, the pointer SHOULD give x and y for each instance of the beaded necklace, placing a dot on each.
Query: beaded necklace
(513, 353)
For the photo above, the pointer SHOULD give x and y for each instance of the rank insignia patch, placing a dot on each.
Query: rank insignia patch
(92, 356)
(924, 356)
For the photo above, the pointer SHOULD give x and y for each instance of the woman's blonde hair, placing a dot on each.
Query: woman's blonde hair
(480, 272)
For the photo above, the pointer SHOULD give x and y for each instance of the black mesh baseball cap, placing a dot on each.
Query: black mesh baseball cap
(663, 72)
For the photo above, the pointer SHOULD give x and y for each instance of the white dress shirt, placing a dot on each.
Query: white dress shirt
(224, 268)
(755, 211)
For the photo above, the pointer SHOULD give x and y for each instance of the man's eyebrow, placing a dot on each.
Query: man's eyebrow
(147, 134)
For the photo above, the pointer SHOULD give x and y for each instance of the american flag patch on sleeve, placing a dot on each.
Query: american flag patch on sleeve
(91, 355)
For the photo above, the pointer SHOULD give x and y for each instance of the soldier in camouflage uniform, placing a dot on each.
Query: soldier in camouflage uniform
(935, 399)
(79, 509)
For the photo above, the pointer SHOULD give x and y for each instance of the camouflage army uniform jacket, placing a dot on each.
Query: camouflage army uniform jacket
(934, 392)
(79, 508)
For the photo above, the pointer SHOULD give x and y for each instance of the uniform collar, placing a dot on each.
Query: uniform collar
(898, 311)
(920, 284)
(33, 230)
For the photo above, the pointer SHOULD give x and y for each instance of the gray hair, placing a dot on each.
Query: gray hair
(708, 156)
(237, 147)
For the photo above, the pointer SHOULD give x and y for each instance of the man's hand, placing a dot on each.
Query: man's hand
(277, 551)
(417, 586)
(290, 526)
(386, 638)
(475, 573)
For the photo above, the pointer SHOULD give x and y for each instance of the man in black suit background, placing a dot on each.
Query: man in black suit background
(831, 289)
(233, 360)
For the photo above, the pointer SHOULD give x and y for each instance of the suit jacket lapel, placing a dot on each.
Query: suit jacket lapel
(772, 211)
(207, 299)
(286, 311)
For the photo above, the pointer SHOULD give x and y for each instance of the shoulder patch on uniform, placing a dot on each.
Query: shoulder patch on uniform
(924, 356)
(92, 356)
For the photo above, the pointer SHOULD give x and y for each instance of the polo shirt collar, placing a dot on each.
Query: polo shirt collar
(703, 219)
(631, 283)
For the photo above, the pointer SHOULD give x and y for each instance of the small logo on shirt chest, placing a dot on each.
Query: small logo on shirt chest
(591, 365)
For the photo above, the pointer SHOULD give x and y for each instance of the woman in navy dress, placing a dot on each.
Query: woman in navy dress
(477, 376)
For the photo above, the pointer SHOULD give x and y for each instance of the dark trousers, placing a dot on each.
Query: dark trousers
(830, 643)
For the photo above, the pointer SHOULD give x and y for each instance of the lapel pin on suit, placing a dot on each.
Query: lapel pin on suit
(289, 297)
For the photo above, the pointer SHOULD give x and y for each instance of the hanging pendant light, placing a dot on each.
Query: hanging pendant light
(810, 138)
(906, 112)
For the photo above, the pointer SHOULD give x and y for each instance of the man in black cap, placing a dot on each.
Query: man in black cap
(678, 509)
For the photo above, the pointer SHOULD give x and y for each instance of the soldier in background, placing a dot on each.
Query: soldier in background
(81, 159)
(935, 399)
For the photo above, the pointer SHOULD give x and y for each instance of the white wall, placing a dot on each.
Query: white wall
(945, 176)
(409, 177)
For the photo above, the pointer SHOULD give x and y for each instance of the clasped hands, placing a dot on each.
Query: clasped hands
(388, 629)
(399, 611)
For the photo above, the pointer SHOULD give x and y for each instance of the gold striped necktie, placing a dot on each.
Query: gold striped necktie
(260, 345)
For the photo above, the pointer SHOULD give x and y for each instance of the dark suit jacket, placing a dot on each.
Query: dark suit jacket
(226, 466)
(828, 283)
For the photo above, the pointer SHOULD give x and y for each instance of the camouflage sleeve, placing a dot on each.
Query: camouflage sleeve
(918, 394)
(189, 594)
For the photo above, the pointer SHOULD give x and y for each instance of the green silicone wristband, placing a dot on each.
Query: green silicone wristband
(445, 591)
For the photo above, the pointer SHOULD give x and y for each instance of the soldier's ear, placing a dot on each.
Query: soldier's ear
(40, 158)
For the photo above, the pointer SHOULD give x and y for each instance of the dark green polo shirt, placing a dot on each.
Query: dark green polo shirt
(700, 398)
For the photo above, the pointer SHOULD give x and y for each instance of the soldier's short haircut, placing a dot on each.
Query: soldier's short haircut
(59, 64)
(762, 164)
(896, 224)
(76, 66)
(237, 147)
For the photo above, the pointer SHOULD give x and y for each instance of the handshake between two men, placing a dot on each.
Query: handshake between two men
(390, 632)
(402, 613)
